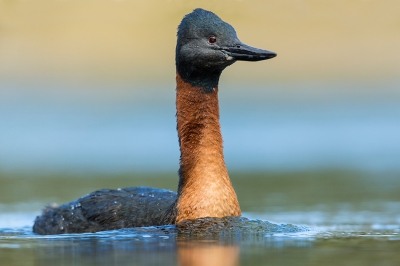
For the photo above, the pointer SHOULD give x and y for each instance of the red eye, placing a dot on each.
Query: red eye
(212, 39)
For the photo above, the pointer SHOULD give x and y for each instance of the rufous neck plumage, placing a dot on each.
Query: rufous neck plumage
(205, 189)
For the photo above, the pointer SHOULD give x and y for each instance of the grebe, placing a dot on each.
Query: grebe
(206, 45)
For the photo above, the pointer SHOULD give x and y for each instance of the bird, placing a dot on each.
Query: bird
(206, 45)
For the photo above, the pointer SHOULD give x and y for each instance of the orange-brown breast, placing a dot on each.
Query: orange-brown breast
(205, 189)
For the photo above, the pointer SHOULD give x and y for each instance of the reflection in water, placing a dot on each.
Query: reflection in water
(166, 246)
(217, 241)
(351, 215)
(207, 254)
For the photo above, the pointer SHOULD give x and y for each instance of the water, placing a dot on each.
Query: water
(326, 161)
(356, 244)
(267, 127)
(346, 218)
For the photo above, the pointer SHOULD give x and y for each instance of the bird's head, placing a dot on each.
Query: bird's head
(207, 45)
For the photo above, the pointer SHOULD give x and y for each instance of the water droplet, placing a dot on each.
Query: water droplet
(119, 189)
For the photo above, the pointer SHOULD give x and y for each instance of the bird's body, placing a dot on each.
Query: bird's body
(206, 46)
(107, 209)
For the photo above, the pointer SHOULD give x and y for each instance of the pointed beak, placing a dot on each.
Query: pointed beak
(245, 52)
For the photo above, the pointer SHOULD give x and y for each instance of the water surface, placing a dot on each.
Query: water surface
(350, 218)
(327, 161)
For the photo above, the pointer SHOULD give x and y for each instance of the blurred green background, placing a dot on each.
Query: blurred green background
(87, 89)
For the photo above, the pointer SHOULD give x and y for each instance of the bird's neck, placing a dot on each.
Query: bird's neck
(205, 189)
